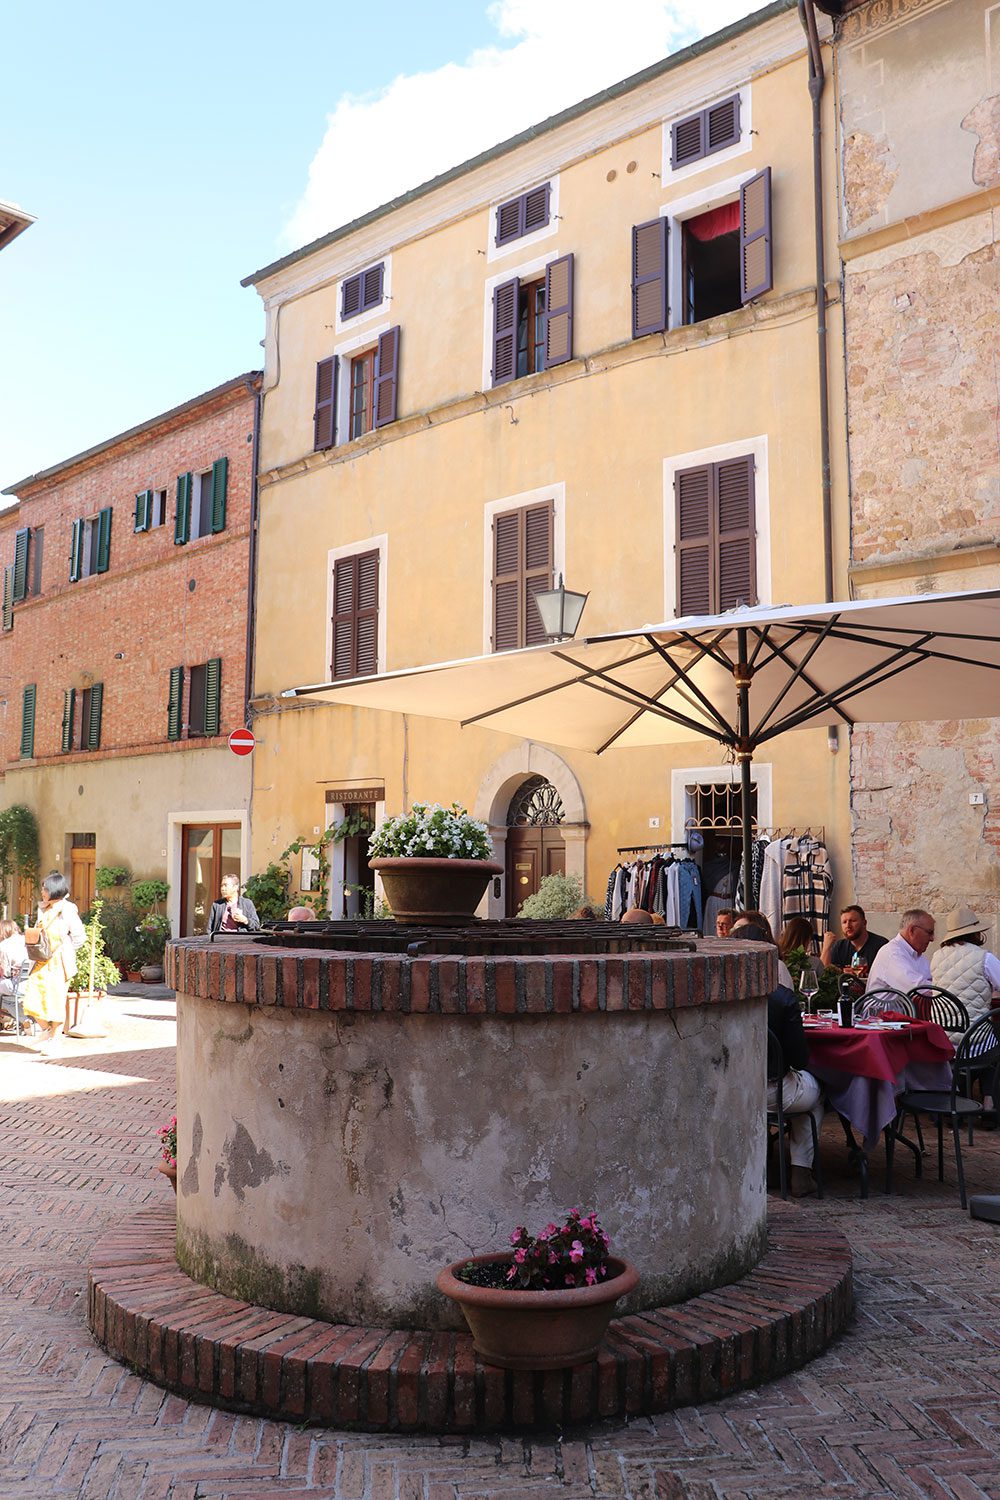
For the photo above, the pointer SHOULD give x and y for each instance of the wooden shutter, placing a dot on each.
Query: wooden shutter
(649, 277)
(182, 516)
(143, 511)
(355, 616)
(756, 271)
(220, 482)
(558, 311)
(386, 377)
(28, 722)
(506, 297)
(69, 703)
(76, 552)
(21, 543)
(344, 595)
(371, 286)
(366, 630)
(522, 566)
(537, 530)
(175, 703)
(687, 140)
(325, 413)
(509, 221)
(350, 296)
(695, 544)
(535, 213)
(737, 568)
(104, 539)
(707, 131)
(8, 597)
(92, 729)
(213, 694)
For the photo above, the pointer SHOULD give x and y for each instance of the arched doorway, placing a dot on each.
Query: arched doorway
(535, 844)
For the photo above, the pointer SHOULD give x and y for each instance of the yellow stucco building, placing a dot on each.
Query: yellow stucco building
(567, 356)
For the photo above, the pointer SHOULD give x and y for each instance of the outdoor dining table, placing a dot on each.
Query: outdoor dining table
(864, 1067)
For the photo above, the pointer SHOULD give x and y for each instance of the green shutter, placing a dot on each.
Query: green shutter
(220, 475)
(104, 539)
(143, 511)
(94, 725)
(69, 701)
(182, 520)
(175, 703)
(213, 694)
(8, 597)
(28, 722)
(21, 564)
(76, 552)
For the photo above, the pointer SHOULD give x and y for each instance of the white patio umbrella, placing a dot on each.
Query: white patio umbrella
(740, 678)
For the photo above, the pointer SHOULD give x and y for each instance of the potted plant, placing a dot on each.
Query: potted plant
(89, 984)
(168, 1152)
(546, 1303)
(152, 933)
(435, 863)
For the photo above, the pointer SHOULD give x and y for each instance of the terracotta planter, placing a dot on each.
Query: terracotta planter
(151, 973)
(133, 976)
(537, 1330)
(439, 891)
(169, 1172)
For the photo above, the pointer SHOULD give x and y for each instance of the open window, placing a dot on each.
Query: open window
(710, 271)
(533, 322)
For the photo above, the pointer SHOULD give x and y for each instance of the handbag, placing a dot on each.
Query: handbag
(41, 951)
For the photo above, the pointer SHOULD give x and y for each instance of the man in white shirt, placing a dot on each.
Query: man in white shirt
(903, 963)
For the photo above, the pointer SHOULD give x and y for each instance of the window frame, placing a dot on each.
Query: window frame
(382, 306)
(366, 359)
(706, 162)
(379, 544)
(677, 211)
(755, 448)
(525, 242)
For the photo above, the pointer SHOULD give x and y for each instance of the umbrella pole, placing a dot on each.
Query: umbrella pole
(744, 754)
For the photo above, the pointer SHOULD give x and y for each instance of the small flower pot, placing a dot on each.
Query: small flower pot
(151, 973)
(519, 1330)
(134, 976)
(439, 892)
(169, 1170)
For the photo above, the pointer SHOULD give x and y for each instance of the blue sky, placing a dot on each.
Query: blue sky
(167, 154)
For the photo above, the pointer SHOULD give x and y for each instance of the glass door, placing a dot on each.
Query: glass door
(208, 851)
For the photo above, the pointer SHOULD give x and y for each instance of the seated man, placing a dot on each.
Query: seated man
(724, 922)
(902, 964)
(801, 1094)
(856, 950)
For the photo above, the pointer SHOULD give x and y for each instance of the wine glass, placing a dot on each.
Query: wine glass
(808, 985)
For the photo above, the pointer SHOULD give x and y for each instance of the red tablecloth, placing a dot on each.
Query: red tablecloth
(876, 1054)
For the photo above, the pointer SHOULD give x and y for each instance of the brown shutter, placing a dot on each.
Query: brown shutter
(366, 634)
(506, 580)
(538, 526)
(756, 270)
(355, 616)
(344, 595)
(386, 377)
(558, 311)
(505, 307)
(649, 277)
(325, 413)
(737, 533)
(695, 542)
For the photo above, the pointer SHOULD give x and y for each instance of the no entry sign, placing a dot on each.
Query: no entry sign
(241, 741)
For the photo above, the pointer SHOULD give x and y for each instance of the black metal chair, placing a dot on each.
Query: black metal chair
(876, 1002)
(978, 1054)
(777, 1118)
(940, 1006)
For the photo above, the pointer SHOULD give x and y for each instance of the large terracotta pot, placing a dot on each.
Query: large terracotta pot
(169, 1170)
(520, 1330)
(439, 891)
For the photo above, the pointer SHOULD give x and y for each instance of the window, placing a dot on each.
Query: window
(90, 546)
(81, 722)
(361, 292)
(159, 507)
(27, 574)
(372, 377)
(204, 700)
(355, 621)
(150, 510)
(710, 269)
(715, 536)
(201, 503)
(28, 722)
(705, 133)
(523, 545)
(8, 597)
(520, 216)
(533, 322)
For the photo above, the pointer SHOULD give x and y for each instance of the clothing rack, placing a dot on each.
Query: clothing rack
(649, 848)
(764, 831)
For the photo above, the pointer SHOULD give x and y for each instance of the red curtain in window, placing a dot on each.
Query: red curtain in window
(724, 220)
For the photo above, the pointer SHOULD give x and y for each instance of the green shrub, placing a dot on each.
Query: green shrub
(557, 897)
(106, 876)
(269, 893)
(120, 937)
(147, 895)
(105, 973)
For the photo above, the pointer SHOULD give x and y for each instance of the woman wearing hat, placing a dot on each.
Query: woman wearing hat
(963, 967)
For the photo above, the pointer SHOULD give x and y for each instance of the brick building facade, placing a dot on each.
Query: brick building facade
(123, 650)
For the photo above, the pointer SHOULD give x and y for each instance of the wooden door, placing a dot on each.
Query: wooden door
(82, 867)
(531, 853)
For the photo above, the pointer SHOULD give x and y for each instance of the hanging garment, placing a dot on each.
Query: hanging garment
(757, 848)
(688, 894)
(771, 882)
(807, 885)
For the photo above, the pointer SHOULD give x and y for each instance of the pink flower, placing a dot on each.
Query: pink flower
(570, 1279)
(511, 1274)
(553, 1258)
(576, 1251)
(591, 1276)
(549, 1229)
(520, 1256)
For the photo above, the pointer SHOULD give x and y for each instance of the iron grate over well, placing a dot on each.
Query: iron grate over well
(477, 939)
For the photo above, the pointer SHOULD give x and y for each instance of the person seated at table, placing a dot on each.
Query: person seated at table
(966, 969)
(798, 933)
(13, 958)
(801, 1093)
(902, 963)
(757, 919)
(857, 948)
(724, 923)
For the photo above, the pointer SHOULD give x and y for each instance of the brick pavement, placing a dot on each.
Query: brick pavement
(905, 1405)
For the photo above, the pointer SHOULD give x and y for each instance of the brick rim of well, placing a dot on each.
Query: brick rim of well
(211, 1348)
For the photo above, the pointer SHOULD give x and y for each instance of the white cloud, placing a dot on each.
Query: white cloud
(557, 52)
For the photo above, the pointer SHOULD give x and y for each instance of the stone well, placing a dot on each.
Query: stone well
(349, 1122)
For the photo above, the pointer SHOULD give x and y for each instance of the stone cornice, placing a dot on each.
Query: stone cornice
(919, 224)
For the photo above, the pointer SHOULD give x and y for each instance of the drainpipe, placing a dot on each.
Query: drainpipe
(817, 82)
(255, 388)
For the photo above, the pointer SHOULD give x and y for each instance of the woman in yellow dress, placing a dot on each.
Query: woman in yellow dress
(45, 992)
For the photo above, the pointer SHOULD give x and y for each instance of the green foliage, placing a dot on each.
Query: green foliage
(149, 895)
(430, 830)
(18, 843)
(269, 892)
(796, 960)
(152, 934)
(106, 876)
(318, 899)
(557, 897)
(105, 972)
(120, 937)
(354, 826)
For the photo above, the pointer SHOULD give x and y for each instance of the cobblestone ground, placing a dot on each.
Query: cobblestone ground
(905, 1405)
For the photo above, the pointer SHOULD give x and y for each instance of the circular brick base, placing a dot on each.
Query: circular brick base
(211, 1348)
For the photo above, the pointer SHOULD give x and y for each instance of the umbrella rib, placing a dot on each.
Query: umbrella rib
(917, 647)
(555, 687)
(680, 672)
(650, 705)
(799, 671)
(705, 648)
(881, 674)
